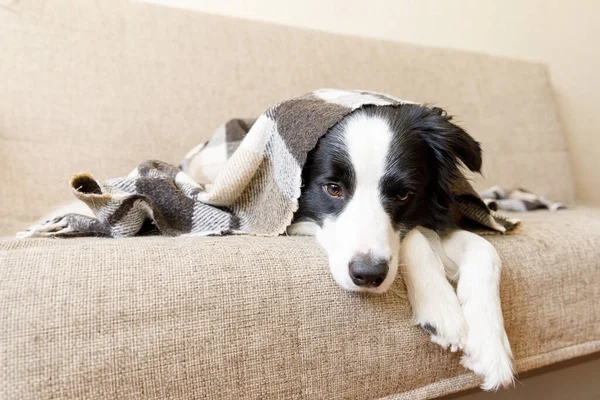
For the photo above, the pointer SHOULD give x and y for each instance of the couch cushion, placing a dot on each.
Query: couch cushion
(102, 86)
(251, 317)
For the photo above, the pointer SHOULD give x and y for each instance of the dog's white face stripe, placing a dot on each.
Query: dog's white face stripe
(368, 140)
(363, 226)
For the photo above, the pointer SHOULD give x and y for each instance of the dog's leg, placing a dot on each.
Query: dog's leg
(433, 300)
(487, 350)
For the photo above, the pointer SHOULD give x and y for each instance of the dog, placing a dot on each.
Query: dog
(375, 195)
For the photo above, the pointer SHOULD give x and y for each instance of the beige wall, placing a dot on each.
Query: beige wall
(563, 34)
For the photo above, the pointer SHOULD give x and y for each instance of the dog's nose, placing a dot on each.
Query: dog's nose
(367, 272)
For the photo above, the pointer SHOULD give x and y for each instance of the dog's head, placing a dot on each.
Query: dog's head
(375, 175)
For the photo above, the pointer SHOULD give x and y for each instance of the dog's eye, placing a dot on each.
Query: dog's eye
(334, 190)
(402, 197)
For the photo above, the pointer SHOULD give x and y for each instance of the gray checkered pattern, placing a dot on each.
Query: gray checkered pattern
(245, 180)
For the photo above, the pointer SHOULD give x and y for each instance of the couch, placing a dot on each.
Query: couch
(100, 86)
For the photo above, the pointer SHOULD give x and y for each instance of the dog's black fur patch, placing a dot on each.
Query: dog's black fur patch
(429, 328)
(328, 162)
(424, 156)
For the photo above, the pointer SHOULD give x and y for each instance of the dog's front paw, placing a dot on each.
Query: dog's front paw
(488, 354)
(449, 334)
(48, 228)
(446, 324)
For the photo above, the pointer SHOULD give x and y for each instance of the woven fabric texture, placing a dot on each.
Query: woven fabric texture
(99, 85)
(191, 318)
(256, 189)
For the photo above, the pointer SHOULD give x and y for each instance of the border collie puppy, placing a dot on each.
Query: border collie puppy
(375, 192)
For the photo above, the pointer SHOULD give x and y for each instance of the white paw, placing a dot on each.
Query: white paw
(487, 350)
(488, 354)
(442, 317)
(52, 227)
(434, 302)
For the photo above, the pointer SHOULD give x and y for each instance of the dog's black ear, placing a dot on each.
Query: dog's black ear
(449, 141)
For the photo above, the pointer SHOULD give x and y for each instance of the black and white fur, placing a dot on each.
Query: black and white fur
(375, 192)
(392, 166)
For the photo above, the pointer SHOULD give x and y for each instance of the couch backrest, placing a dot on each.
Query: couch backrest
(100, 86)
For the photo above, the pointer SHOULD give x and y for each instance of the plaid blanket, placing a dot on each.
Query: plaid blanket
(520, 200)
(245, 180)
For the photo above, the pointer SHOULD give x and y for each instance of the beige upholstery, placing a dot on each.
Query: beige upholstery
(234, 317)
(84, 83)
(85, 87)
